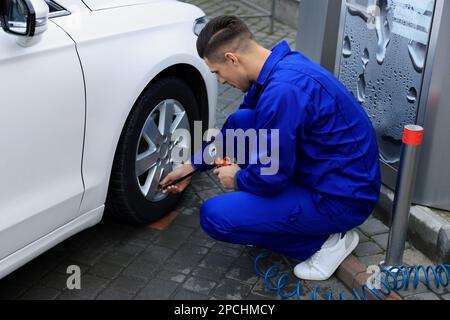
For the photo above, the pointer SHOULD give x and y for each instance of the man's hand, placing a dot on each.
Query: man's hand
(226, 175)
(177, 174)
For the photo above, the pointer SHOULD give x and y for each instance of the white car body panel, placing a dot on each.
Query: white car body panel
(41, 137)
(115, 58)
(31, 251)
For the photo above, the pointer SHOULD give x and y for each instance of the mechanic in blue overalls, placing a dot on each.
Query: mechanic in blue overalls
(328, 178)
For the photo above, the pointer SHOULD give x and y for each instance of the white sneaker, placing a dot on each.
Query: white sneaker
(322, 264)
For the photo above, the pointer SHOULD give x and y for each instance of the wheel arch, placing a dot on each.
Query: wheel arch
(195, 81)
(192, 77)
(199, 96)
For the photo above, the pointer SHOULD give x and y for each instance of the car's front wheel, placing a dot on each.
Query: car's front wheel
(145, 152)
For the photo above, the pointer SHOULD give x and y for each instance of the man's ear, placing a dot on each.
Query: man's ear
(231, 57)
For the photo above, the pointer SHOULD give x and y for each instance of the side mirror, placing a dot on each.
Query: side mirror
(26, 18)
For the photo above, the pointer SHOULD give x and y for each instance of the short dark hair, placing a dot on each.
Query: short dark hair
(222, 32)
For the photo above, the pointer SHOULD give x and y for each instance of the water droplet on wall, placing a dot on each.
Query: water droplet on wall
(383, 31)
(412, 95)
(361, 93)
(365, 57)
(417, 53)
(347, 49)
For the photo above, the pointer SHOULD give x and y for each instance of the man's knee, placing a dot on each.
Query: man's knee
(212, 220)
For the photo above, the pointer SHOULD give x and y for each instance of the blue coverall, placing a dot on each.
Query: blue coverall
(329, 176)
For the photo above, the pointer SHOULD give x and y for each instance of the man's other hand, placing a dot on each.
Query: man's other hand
(226, 175)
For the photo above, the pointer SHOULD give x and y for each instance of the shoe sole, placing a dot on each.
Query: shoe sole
(350, 249)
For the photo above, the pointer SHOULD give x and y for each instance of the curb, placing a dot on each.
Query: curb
(353, 273)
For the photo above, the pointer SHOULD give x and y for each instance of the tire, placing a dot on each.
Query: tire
(127, 200)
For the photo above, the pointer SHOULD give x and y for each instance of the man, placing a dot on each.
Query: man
(328, 178)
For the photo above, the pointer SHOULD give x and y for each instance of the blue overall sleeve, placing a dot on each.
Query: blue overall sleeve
(282, 107)
(197, 160)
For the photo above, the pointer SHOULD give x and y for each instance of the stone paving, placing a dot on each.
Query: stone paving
(122, 262)
(372, 250)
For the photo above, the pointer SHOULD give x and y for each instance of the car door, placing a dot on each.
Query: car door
(42, 115)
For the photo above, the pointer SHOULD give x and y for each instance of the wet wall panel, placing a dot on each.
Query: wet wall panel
(383, 57)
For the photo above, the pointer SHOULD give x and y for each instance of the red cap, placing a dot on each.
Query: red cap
(413, 135)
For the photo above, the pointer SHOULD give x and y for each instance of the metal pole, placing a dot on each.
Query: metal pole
(264, 13)
(412, 140)
(272, 16)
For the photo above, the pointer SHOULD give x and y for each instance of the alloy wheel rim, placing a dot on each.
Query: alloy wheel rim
(154, 158)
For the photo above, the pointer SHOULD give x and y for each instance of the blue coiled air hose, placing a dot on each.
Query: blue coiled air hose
(276, 280)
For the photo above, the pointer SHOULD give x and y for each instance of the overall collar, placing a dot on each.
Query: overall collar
(278, 52)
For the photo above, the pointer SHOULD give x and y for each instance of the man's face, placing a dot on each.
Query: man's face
(230, 71)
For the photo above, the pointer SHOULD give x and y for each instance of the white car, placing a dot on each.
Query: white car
(90, 94)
